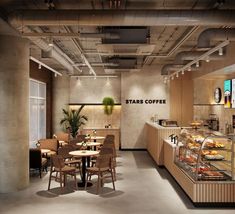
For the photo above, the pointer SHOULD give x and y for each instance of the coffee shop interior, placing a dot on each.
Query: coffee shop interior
(117, 106)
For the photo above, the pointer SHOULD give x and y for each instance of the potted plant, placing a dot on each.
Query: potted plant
(108, 103)
(73, 120)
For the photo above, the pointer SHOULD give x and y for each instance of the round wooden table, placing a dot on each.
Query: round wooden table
(90, 144)
(95, 138)
(85, 155)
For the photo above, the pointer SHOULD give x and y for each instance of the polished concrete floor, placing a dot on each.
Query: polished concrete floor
(141, 187)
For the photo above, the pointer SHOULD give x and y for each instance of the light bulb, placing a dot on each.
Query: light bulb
(182, 72)
(221, 52)
(39, 66)
(189, 68)
(55, 74)
(51, 42)
(207, 59)
(172, 77)
(197, 64)
(177, 74)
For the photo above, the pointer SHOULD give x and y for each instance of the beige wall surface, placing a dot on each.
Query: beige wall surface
(90, 90)
(147, 84)
(204, 104)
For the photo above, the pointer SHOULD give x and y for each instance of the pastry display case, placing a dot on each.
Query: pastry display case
(205, 156)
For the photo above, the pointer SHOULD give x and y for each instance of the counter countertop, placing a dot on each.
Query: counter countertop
(101, 128)
(155, 125)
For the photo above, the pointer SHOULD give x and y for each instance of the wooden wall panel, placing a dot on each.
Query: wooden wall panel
(181, 99)
(44, 75)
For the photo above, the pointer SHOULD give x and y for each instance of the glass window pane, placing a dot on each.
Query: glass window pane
(33, 88)
(42, 119)
(33, 132)
(42, 90)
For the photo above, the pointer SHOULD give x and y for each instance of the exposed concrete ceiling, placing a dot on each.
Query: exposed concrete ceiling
(162, 42)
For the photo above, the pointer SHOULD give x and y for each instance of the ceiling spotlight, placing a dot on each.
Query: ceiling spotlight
(39, 66)
(177, 74)
(107, 81)
(172, 77)
(182, 72)
(165, 80)
(207, 59)
(197, 64)
(94, 77)
(55, 74)
(50, 42)
(189, 68)
(221, 52)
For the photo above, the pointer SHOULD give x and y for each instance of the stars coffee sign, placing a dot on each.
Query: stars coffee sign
(145, 101)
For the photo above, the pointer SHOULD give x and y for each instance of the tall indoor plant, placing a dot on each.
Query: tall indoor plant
(73, 120)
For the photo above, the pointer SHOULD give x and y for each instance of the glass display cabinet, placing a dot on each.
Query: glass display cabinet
(205, 156)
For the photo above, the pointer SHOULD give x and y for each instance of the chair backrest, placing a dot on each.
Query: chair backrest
(63, 136)
(51, 144)
(57, 161)
(35, 158)
(73, 143)
(109, 138)
(81, 138)
(104, 161)
(112, 146)
(106, 151)
(64, 151)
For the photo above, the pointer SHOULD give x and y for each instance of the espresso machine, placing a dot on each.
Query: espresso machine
(213, 122)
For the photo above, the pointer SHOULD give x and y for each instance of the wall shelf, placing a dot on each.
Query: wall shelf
(91, 104)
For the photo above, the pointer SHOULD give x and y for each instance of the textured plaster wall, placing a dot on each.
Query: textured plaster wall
(90, 90)
(60, 100)
(146, 84)
(14, 113)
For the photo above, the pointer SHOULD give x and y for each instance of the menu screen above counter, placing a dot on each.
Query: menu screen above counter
(233, 93)
(227, 94)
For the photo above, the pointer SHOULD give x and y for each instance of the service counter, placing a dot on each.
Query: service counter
(200, 192)
(155, 137)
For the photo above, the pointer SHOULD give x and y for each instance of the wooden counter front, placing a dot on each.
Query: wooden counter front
(155, 136)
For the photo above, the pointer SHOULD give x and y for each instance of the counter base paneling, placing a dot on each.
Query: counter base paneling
(200, 192)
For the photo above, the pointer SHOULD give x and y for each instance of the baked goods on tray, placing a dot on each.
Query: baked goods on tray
(214, 157)
(212, 174)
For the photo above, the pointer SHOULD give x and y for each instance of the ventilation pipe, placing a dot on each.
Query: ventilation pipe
(214, 34)
(183, 56)
(122, 17)
(166, 69)
(55, 52)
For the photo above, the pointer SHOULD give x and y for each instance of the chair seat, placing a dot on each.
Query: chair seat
(96, 169)
(72, 161)
(66, 169)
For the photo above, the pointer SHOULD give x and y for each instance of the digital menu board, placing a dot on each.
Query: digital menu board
(227, 94)
(233, 93)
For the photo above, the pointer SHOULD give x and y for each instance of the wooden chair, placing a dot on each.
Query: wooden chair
(36, 161)
(62, 136)
(114, 155)
(69, 159)
(51, 144)
(103, 169)
(58, 166)
(109, 139)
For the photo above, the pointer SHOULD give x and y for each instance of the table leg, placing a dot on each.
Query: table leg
(82, 184)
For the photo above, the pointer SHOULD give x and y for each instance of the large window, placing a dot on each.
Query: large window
(37, 103)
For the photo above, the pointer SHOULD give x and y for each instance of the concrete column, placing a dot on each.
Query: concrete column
(61, 88)
(14, 113)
